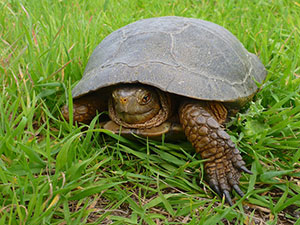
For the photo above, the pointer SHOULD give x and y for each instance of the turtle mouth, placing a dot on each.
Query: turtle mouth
(134, 113)
(136, 117)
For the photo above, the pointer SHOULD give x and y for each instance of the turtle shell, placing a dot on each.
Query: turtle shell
(184, 56)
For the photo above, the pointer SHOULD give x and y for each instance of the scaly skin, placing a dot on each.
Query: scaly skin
(85, 108)
(201, 121)
(208, 137)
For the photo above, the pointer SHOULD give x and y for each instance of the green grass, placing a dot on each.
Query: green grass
(54, 173)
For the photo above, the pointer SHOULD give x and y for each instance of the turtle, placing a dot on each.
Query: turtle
(173, 75)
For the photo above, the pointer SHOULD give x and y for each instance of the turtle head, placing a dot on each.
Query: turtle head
(134, 104)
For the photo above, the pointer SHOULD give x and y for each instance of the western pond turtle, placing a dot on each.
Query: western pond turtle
(173, 74)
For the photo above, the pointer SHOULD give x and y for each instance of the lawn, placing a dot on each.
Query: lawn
(52, 172)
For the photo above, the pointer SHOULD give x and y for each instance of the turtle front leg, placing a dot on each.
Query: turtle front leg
(201, 123)
(85, 108)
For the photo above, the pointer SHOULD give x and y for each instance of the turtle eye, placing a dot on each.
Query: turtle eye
(146, 98)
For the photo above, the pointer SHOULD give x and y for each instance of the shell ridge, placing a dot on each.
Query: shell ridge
(163, 63)
(226, 38)
(124, 38)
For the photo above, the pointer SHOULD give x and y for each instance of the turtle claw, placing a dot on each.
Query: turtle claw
(214, 185)
(223, 181)
(243, 168)
(227, 197)
(238, 190)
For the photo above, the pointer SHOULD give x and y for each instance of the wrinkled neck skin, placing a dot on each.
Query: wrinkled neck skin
(138, 106)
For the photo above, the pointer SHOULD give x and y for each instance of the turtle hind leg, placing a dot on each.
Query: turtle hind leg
(224, 162)
(85, 108)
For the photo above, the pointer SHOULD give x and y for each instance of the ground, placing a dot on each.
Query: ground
(52, 172)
